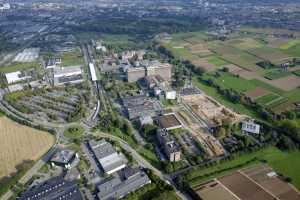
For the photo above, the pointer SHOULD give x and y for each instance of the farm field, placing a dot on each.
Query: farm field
(20, 143)
(278, 160)
(297, 72)
(241, 56)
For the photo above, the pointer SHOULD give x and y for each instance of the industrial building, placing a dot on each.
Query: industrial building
(17, 76)
(63, 75)
(169, 146)
(53, 189)
(107, 157)
(169, 122)
(117, 187)
(149, 68)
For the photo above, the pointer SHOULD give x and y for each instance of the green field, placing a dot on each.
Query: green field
(264, 100)
(245, 43)
(73, 58)
(18, 66)
(276, 74)
(74, 132)
(290, 44)
(215, 60)
(297, 72)
(280, 161)
(237, 107)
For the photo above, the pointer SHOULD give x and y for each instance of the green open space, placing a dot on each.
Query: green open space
(215, 60)
(264, 100)
(280, 161)
(290, 44)
(73, 58)
(297, 72)
(276, 74)
(18, 66)
(74, 132)
(237, 107)
(271, 54)
(293, 51)
(245, 43)
(237, 57)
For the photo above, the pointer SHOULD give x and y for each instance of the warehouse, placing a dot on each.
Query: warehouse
(63, 75)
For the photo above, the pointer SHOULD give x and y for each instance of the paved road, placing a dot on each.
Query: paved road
(144, 163)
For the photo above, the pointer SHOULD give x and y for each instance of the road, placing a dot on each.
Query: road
(144, 163)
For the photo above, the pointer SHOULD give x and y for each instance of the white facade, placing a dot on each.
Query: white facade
(14, 77)
(93, 72)
(170, 94)
(5, 6)
(251, 127)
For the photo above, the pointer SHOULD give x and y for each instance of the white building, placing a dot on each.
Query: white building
(250, 127)
(146, 120)
(52, 63)
(110, 160)
(63, 75)
(4, 6)
(93, 72)
(17, 76)
(170, 94)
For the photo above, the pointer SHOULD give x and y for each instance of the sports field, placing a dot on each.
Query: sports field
(20, 143)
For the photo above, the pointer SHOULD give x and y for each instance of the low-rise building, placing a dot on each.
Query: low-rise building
(169, 122)
(17, 76)
(150, 68)
(117, 187)
(63, 75)
(53, 63)
(250, 127)
(53, 189)
(146, 120)
(64, 158)
(108, 158)
(169, 146)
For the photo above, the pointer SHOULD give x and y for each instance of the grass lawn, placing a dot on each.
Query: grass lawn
(264, 100)
(18, 66)
(74, 132)
(168, 103)
(72, 58)
(215, 60)
(293, 51)
(230, 81)
(280, 161)
(290, 44)
(297, 72)
(276, 74)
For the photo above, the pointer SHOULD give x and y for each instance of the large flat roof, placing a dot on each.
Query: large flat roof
(169, 121)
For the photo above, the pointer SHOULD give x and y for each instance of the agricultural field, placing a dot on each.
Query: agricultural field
(297, 72)
(276, 74)
(20, 143)
(245, 43)
(241, 55)
(278, 160)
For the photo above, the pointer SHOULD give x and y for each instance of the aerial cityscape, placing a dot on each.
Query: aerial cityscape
(150, 100)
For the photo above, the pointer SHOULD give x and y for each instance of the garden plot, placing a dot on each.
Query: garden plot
(273, 55)
(287, 83)
(245, 43)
